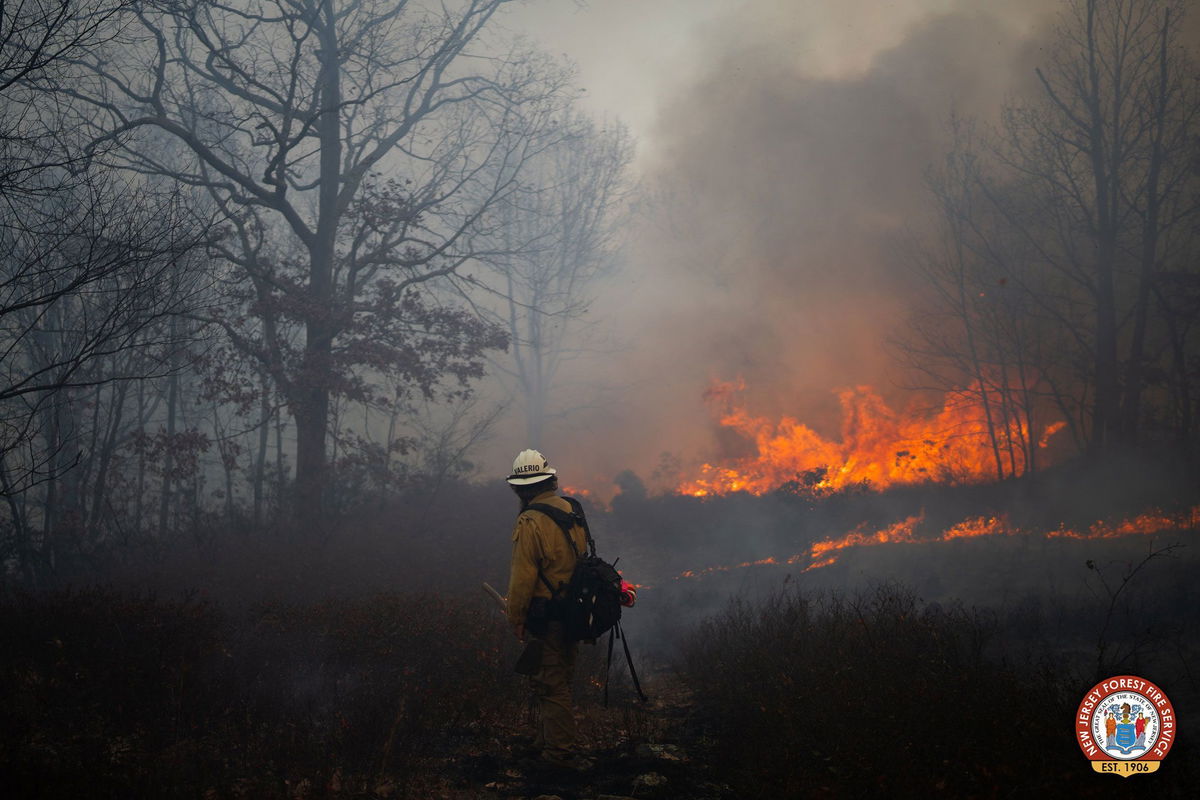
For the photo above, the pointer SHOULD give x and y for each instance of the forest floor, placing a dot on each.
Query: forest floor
(651, 750)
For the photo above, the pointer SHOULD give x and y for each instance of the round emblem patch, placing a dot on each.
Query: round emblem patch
(1125, 725)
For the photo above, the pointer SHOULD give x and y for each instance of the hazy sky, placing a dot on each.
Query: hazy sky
(629, 52)
(633, 55)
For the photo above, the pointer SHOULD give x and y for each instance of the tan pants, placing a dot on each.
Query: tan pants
(552, 686)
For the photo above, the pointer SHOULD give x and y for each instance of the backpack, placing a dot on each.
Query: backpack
(589, 605)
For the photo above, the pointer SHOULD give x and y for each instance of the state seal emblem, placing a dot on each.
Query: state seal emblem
(1125, 725)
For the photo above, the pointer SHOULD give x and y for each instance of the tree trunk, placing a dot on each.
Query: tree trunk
(1180, 368)
(53, 437)
(168, 482)
(100, 486)
(1011, 420)
(1106, 404)
(967, 318)
(535, 417)
(1104, 165)
(139, 499)
(1027, 413)
(1131, 405)
(260, 460)
(83, 476)
(314, 383)
(19, 525)
(228, 463)
(280, 472)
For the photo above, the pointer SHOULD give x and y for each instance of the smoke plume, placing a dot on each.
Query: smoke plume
(785, 176)
(784, 179)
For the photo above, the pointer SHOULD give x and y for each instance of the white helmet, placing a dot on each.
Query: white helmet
(530, 466)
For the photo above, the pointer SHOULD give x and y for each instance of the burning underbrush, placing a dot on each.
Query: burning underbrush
(973, 435)
(912, 530)
(800, 527)
(1044, 552)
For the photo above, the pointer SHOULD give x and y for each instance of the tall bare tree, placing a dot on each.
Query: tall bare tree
(560, 235)
(356, 148)
(1103, 152)
(978, 336)
(1069, 227)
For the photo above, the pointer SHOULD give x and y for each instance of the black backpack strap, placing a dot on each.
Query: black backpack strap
(566, 520)
(577, 509)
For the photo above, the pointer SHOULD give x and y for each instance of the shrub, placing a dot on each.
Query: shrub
(871, 695)
(112, 695)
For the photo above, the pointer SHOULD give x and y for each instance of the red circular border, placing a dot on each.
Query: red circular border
(1164, 709)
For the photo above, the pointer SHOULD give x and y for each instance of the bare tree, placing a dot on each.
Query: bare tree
(82, 260)
(36, 34)
(1061, 233)
(977, 337)
(1166, 203)
(84, 311)
(1103, 152)
(559, 237)
(355, 147)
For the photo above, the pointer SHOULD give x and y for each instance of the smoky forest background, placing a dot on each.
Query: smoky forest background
(882, 380)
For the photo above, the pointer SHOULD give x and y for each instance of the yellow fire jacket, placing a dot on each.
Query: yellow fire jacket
(539, 542)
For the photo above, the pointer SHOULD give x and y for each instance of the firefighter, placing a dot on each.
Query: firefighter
(541, 559)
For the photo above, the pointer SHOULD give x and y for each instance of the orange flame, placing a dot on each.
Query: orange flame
(979, 526)
(710, 570)
(901, 531)
(1146, 524)
(823, 553)
(965, 441)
